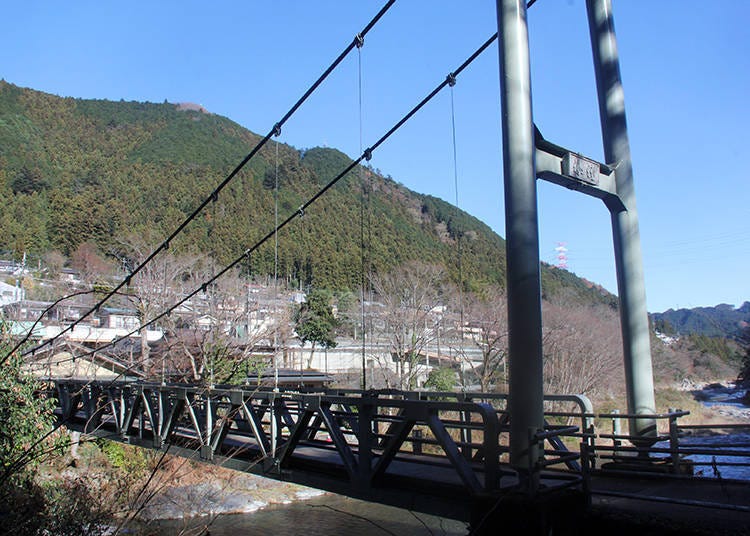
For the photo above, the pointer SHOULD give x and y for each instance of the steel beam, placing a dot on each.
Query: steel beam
(555, 164)
(628, 259)
(522, 244)
(446, 442)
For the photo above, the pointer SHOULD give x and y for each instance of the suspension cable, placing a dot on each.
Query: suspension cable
(276, 267)
(363, 208)
(41, 317)
(366, 156)
(275, 131)
(459, 231)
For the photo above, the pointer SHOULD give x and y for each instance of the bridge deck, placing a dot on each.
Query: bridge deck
(430, 455)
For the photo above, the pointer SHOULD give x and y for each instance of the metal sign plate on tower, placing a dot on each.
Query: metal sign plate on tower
(581, 168)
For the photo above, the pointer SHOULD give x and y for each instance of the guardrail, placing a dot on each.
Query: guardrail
(559, 433)
(697, 450)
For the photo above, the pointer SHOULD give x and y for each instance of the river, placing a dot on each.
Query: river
(324, 515)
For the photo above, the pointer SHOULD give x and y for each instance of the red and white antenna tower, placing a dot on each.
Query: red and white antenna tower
(562, 255)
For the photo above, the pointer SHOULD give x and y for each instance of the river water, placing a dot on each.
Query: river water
(325, 515)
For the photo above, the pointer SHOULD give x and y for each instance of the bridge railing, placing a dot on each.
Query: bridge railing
(369, 440)
(567, 438)
(372, 435)
(618, 450)
(714, 450)
(703, 450)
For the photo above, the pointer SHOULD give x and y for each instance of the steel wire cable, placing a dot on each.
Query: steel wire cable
(213, 196)
(364, 210)
(459, 231)
(366, 155)
(49, 308)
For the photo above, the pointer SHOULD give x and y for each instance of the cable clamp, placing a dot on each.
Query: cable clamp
(214, 196)
(203, 287)
(127, 280)
(359, 41)
(277, 130)
(451, 79)
(368, 154)
(301, 211)
(165, 245)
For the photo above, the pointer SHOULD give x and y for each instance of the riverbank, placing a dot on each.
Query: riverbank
(222, 494)
(187, 489)
(726, 399)
(134, 488)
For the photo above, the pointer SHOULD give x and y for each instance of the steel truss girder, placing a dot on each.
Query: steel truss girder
(369, 437)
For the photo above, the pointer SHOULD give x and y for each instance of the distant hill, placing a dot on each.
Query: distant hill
(75, 171)
(719, 321)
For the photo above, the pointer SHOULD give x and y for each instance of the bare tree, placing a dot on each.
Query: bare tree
(227, 331)
(92, 267)
(157, 286)
(581, 348)
(485, 329)
(409, 295)
(54, 261)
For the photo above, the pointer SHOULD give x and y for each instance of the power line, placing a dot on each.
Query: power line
(366, 155)
(213, 197)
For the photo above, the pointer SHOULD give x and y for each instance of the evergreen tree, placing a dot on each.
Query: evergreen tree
(315, 321)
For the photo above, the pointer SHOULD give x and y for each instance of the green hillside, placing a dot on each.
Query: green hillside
(75, 171)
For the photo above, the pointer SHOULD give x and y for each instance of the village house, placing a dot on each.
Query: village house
(11, 294)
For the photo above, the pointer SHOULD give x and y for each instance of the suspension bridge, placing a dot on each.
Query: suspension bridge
(522, 460)
(445, 454)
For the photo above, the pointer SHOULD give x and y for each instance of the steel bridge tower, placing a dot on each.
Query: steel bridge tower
(528, 156)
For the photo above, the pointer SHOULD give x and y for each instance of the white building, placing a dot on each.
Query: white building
(11, 294)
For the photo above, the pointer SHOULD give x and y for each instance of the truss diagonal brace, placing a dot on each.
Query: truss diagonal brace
(342, 447)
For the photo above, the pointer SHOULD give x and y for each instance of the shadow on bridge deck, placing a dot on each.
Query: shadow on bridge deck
(673, 505)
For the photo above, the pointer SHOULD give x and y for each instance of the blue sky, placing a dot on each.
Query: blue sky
(684, 65)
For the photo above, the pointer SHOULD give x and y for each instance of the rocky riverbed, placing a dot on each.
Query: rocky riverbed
(194, 489)
(724, 398)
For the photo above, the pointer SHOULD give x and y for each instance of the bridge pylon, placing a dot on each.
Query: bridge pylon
(528, 156)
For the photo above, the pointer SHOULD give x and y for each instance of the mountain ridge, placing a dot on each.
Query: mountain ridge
(722, 320)
(85, 170)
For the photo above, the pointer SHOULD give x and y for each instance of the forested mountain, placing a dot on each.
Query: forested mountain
(720, 321)
(74, 171)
